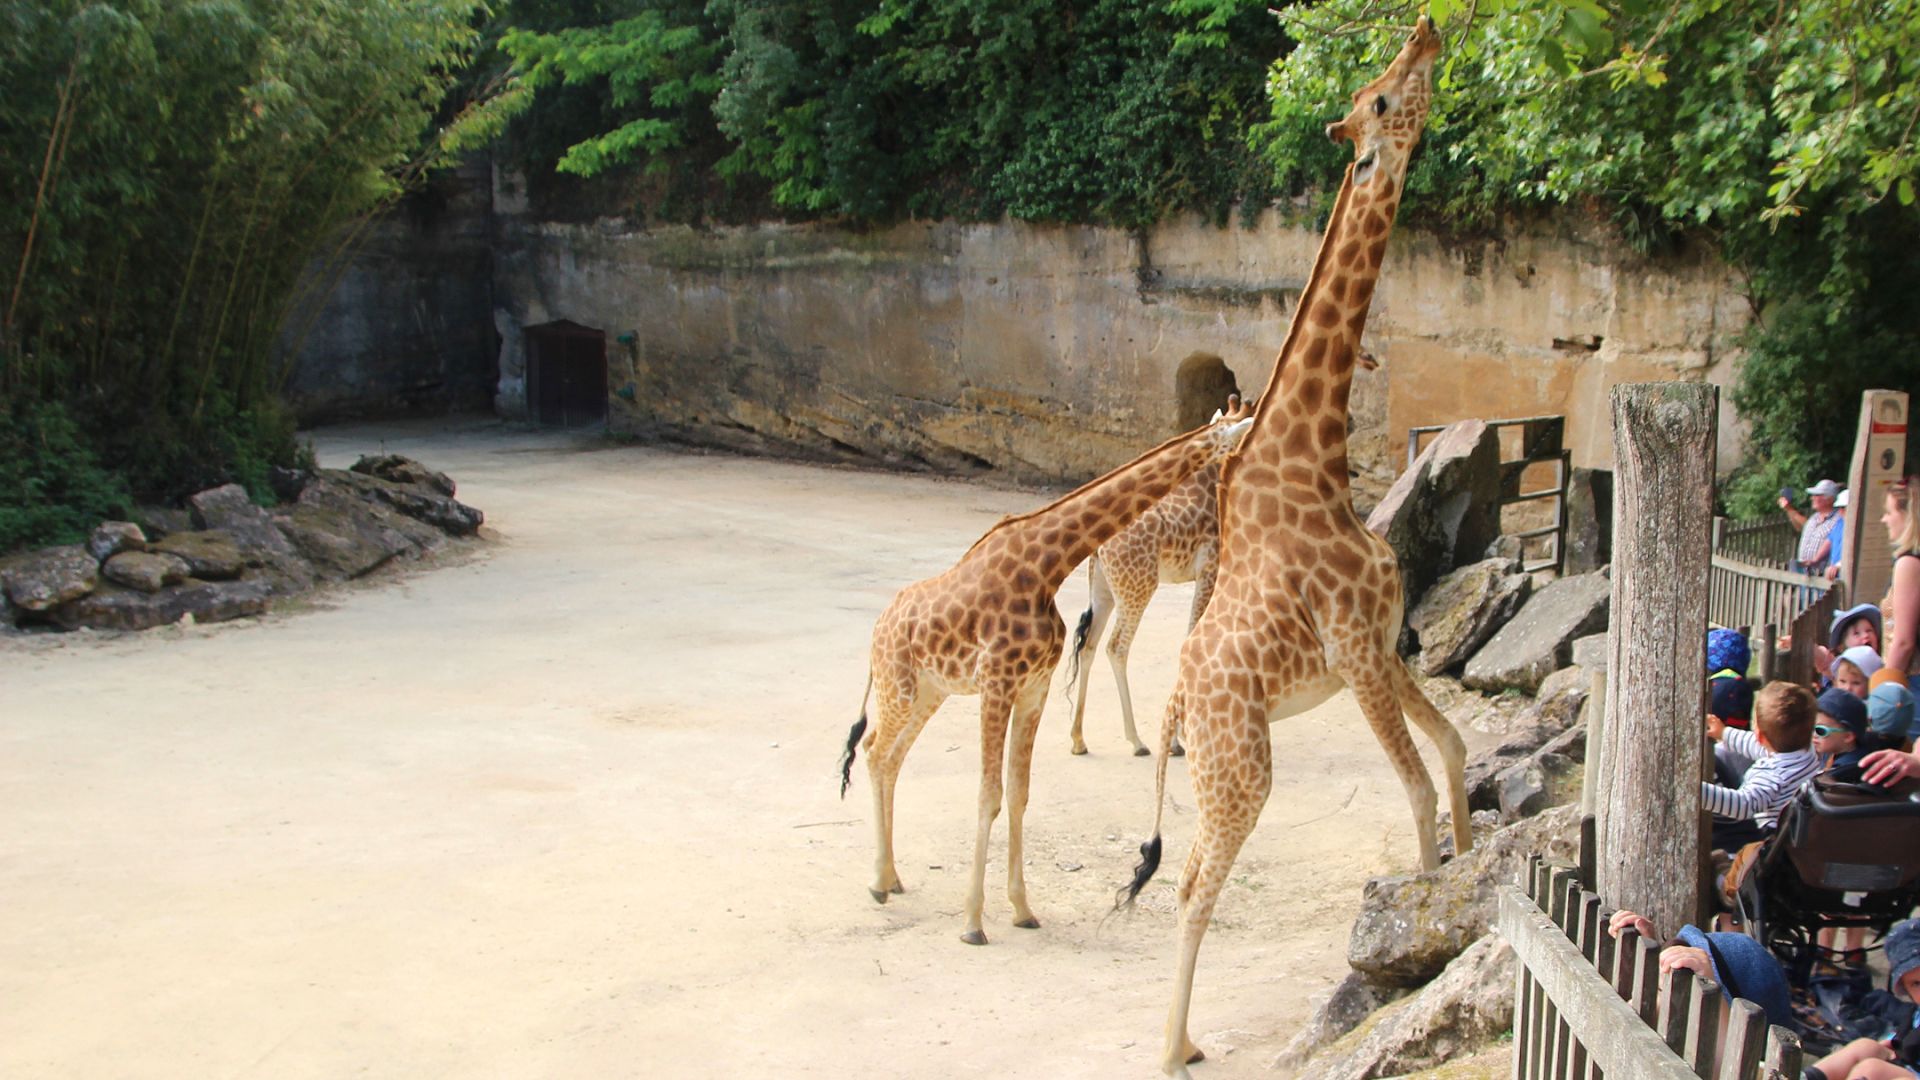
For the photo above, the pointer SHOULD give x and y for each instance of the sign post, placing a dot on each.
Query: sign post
(1878, 462)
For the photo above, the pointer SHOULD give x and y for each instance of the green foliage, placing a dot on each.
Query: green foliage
(52, 489)
(1784, 134)
(1098, 110)
(169, 172)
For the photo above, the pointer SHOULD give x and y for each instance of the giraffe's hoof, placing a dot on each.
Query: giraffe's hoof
(1028, 923)
(1178, 751)
(1079, 751)
(1197, 1057)
(1141, 751)
(897, 889)
(974, 937)
(879, 897)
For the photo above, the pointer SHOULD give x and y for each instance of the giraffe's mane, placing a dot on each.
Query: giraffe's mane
(1015, 519)
(1287, 347)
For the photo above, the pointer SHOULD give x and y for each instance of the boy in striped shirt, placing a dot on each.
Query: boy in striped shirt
(1780, 745)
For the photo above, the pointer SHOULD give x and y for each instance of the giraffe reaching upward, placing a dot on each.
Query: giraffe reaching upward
(988, 626)
(1305, 599)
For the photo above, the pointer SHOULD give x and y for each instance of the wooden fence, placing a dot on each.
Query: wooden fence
(1767, 541)
(1588, 1006)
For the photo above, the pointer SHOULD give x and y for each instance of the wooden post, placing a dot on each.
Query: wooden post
(1652, 836)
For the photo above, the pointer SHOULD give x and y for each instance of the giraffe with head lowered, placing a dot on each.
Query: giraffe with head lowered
(988, 626)
(1306, 599)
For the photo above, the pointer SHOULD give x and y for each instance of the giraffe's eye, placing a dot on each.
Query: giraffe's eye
(1380, 105)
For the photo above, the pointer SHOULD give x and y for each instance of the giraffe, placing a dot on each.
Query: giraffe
(988, 626)
(1175, 542)
(1305, 598)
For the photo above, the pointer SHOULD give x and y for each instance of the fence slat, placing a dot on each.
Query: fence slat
(1646, 980)
(1783, 1053)
(1704, 1006)
(1746, 1040)
(1615, 1037)
(1675, 1010)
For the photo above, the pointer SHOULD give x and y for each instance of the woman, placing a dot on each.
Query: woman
(1902, 605)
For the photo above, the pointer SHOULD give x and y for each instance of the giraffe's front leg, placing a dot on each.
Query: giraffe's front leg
(1026, 725)
(996, 708)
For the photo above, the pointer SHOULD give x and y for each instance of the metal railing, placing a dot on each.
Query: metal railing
(1542, 441)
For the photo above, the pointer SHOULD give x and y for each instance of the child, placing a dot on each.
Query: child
(1840, 734)
(1732, 701)
(1890, 714)
(1860, 624)
(1870, 1059)
(1853, 668)
(1780, 748)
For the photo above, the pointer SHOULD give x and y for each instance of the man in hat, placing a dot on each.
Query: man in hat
(1816, 528)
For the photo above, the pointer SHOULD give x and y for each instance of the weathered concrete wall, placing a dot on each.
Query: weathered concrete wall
(1054, 352)
(407, 327)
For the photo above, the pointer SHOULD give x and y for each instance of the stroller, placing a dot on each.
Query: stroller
(1847, 854)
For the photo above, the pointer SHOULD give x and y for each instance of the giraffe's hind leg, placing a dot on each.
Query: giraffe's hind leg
(996, 709)
(1026, 724)
(1375, 691)
(1232, 777)
(1132, 605)
(902, 715)
(1446, 738)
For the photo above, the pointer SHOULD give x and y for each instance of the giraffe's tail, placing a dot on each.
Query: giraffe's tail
(1150, 851)
(1080, 633)
(853, 739)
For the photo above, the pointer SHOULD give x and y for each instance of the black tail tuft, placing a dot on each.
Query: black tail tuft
(1149, 862)
(1079, 643)
(853, 745)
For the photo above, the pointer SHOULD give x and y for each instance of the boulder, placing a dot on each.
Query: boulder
(1551, 776)
(210, 554)
(1466, 1007)
(229, 510)
(1558, 707)
(404, 470)
(147, 571)
(1591, 652)
(162, 521)
(111, 538)
(1589, 521)
(1352, 1000)
(339, 533)
(41, 580)
(1464, 609)
(1444, 510)
(414, 500)
(114, 608)
(288, 483)
(1539, 640)
(1409, 928)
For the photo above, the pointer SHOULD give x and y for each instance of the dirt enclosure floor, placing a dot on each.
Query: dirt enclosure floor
(567, 807)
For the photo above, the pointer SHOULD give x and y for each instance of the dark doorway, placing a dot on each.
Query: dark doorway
(567, 374)
(1201, 386)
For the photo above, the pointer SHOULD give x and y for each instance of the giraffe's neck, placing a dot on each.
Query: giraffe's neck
(1301, 420)
(1059, 536)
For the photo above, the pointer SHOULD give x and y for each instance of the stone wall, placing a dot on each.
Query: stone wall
(407, 324)
(1054, 352)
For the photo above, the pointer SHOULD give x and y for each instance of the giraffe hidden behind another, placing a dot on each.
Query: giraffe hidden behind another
(1306, 600)
(988, 626)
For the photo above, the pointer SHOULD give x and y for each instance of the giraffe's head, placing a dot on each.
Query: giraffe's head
(1222, 435)
(1390, 112)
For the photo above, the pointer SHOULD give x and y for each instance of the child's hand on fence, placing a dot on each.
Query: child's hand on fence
(1626, 920)
(1715, 727)
(1675, 957)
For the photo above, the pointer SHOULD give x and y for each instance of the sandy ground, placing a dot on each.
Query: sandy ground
(567, 807)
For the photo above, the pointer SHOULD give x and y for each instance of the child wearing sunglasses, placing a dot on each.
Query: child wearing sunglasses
(1840, 730)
